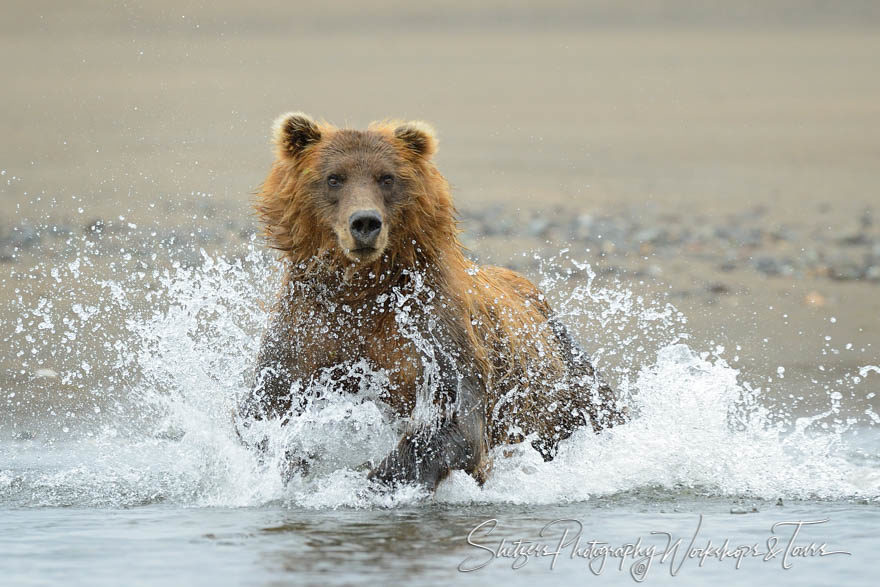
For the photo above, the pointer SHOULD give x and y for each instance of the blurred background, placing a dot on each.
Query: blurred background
(722, 156)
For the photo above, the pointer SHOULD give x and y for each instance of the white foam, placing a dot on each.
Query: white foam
(185, 356)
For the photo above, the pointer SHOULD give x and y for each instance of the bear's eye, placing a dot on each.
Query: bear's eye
(386, 179)
(334, 181)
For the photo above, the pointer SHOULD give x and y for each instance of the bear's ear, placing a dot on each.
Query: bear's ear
(293, 132)
(419, 137)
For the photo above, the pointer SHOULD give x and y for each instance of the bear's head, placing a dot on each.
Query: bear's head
(370, 198)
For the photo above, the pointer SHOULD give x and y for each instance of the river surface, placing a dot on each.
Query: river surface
(74, 543)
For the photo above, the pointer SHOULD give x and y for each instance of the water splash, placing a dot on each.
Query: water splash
(122, 393)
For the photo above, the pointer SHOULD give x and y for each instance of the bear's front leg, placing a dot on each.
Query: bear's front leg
(428, 453)
(270, 395)
(426, 456)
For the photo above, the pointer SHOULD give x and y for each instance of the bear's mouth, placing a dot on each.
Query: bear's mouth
(364, 253)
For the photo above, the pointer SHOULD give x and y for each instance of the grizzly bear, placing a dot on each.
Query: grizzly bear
(473, 356)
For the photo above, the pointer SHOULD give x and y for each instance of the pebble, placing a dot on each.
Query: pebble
(95, 227)
(582, 227)
(782, 233)
(744, 237)
(815, 299)
(538, 227)
(25, 236)
(767, 265)
(650, 235)
(46, 373)
(853, 239)
(245, 233)
(752, 510)
(846, 271)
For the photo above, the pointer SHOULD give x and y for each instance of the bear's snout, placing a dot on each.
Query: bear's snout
(365, 226)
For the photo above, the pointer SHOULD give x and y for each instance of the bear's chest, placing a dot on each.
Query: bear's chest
(346, 340)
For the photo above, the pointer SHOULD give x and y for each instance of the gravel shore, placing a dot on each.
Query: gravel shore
(645, 241)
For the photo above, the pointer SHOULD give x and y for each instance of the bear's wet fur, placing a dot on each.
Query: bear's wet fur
(374, 271)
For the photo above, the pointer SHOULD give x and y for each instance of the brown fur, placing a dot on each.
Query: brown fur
(507, 368)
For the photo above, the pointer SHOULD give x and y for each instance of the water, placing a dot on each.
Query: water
(119, 461)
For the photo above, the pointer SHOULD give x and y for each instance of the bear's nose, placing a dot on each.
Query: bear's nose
(365, 226)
